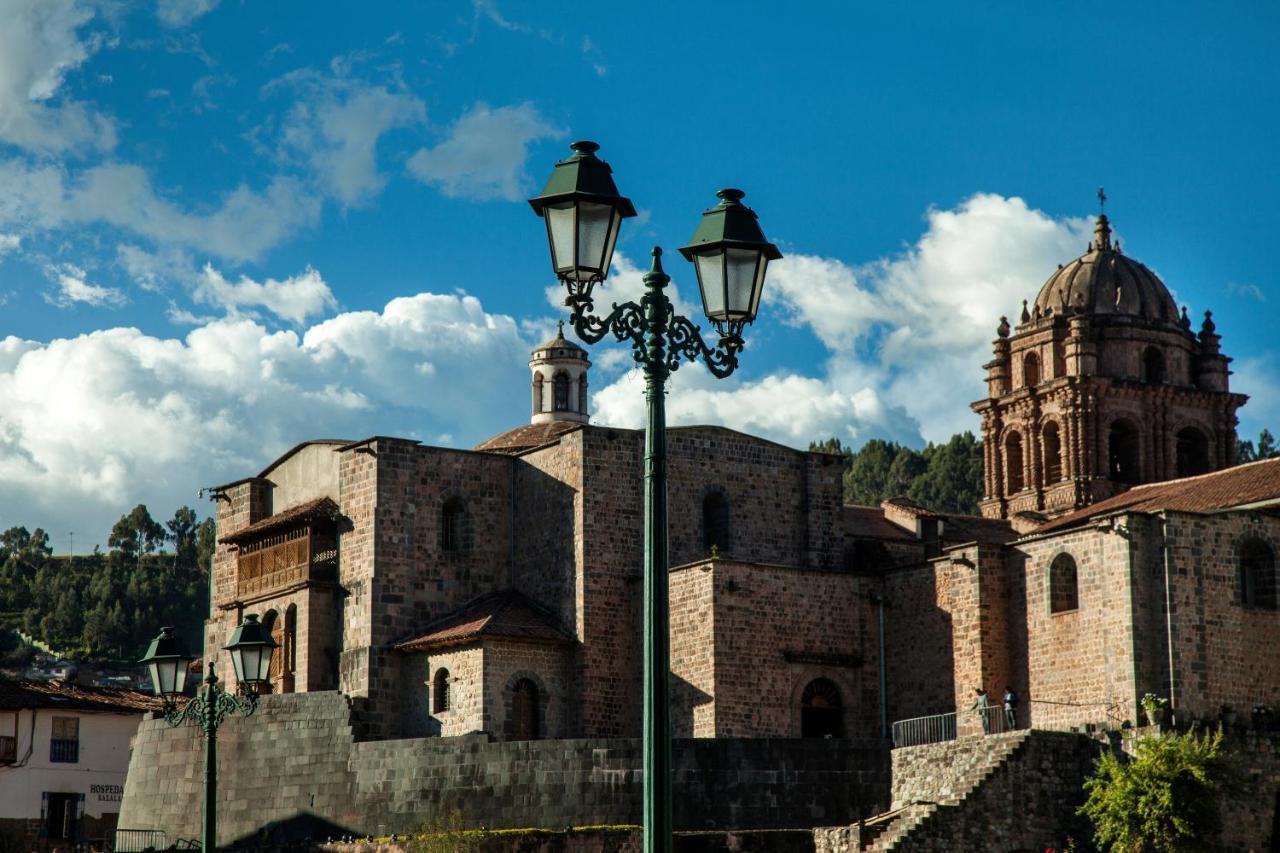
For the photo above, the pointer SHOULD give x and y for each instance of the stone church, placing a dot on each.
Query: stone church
(496, 590)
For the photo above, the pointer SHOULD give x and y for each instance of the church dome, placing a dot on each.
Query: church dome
(1105, 281)
(559, 347)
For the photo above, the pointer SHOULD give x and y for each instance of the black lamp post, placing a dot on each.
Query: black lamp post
(168, 662)
(584, 212)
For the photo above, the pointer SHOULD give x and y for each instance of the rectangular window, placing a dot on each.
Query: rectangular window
(64, 746)
(8, 737)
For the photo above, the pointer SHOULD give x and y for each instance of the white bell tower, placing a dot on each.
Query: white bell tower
(559, 381)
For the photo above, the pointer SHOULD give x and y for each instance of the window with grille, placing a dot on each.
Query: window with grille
(64, 746)
(1257, 575)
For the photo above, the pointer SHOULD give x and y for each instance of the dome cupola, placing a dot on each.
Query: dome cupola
(1106, 282)
(559, 380)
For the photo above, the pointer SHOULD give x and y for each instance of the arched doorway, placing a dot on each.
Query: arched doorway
(1122, 453)
(821, 710)
(523, 719)
(275, 626)
(1193, 452)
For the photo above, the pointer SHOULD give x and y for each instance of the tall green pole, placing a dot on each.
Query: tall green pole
(657, 655)
(209, 836)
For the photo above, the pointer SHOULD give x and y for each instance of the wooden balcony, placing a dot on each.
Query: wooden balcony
(285, 560)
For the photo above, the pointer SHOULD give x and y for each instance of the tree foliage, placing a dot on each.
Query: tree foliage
(1247, 451)
(108, 606)
(944, 477)
(1165, 799)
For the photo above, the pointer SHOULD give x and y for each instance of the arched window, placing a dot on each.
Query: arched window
(1153, 366)
(715, 522)
(1122, 454)
(821, 710)
(1193, 452)
(1052, 445)
(524, 719)
(1257, 573)
(454, 526)
(440, 692)
(1031, 370)
(275, 627)
(290, 648)
(582, 394)
(1064, 588)
(1059, 359)
(560, 384)
(537, 393)
(1013, 462)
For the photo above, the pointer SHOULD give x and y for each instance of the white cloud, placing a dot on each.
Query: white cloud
(104, 420)
(906, 335)
(39, 46)
(242, 225)
(336, 126)
(180, 13)
(74, 288)
(294, 299)
(9, 243)
(484, 154)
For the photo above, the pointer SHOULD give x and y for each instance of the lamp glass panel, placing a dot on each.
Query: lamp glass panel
(711, 279)
(560, 227)
(165, 673)
(593, 236)
(237, 663)
(614, 228)
(759, 289)
(264, 662)
(155, 678)
(247, 666)
(180, 677)
(741, 281)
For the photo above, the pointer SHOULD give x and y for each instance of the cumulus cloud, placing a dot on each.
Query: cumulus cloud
(294, 299)
(180, 13)
(483, 156)
(906, 335)
(40, 44)
(108, 419)
(74, 288)
(9, 243)
(335, 127)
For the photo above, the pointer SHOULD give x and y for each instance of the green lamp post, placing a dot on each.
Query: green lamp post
(583, 212)
(168, 662)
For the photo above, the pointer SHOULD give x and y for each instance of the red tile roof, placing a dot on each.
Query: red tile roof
(1229, 488)
(318, 509)
(527, 437)
(973, 528)
(868, 522)
(501, 614)
(74, 697)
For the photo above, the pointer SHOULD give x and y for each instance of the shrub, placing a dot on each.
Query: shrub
(1165, 798)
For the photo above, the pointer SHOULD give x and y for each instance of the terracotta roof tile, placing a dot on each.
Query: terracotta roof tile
(320, 508)
(868, 522)
(973, 528)
(500, 614)
(1226, 489)
(527, 437)
(77, 697)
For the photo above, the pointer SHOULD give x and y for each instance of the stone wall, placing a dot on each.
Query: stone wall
(295, 760)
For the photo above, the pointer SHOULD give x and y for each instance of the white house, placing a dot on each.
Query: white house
(64, 752)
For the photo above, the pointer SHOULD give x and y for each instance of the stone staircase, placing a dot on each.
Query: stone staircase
(995, 792)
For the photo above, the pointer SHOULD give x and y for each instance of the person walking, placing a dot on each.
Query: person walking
(1010, 709)
(981, 705)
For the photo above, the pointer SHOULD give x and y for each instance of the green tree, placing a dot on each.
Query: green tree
(944, 477)
(952, 479)
(184, 532)
(136, 533)
(1247, 451)
(1165, 799)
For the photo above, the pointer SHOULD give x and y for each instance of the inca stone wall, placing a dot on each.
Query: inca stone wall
(296, 760)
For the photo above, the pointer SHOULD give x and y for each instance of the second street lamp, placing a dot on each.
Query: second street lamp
(250, 647)
(584, 212)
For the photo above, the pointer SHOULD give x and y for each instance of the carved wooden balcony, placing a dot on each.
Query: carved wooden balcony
(295, 547)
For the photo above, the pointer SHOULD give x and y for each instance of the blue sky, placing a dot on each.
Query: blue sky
(229, 226)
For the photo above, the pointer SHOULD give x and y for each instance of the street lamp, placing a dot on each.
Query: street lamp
(168, 662)
(584, 212)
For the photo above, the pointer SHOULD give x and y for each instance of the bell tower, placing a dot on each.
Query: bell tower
(559, 369)
(1101, 385)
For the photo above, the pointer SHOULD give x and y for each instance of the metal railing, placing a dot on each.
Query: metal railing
(139, 840)
(918, 731)
(64, 750)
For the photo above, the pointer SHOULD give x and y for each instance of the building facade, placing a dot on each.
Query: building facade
(64, 753)
(496, 590)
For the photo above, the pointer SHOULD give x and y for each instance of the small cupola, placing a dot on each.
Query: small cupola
(559, 369)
